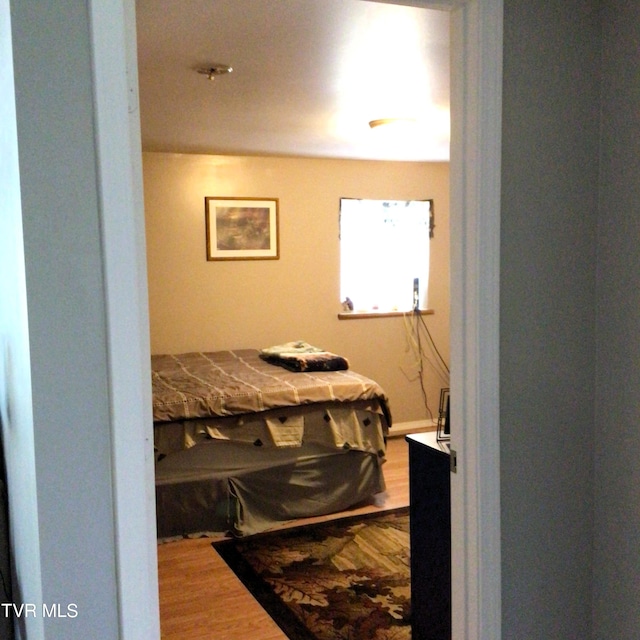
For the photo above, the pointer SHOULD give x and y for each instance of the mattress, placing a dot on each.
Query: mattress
(223, 383)
(242, 444)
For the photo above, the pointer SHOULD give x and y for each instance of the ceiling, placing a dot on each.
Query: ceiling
(308, 76)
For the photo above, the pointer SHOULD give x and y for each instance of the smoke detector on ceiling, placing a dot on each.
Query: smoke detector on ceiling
(215, 70)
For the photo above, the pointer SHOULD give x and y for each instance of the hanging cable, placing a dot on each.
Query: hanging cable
(415, 327)
(433, 344)
(421, 372)
(413, 343)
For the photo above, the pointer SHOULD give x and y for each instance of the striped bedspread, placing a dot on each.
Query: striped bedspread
(224, 383)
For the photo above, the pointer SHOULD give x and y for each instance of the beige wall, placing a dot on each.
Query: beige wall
(201, 305)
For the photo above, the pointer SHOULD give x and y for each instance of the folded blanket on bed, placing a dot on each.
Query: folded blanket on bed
(301, 356)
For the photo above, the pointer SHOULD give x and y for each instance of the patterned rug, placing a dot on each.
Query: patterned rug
(340, 580)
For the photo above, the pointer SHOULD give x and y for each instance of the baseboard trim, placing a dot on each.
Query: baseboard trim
(414, 426)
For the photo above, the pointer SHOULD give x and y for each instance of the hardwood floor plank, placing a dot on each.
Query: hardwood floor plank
(202, 599)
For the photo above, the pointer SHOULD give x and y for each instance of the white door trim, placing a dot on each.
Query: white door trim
(119, 165)
(476, 117)
(476, 102)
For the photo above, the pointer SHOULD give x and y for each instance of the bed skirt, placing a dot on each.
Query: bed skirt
(244, 473)
(223, 486)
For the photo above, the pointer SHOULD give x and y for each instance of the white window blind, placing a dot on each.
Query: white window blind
(384, 247)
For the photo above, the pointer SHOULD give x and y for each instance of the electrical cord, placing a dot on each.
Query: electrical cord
(433, 344)
(415, 349)
(414, 331)
(421, 373)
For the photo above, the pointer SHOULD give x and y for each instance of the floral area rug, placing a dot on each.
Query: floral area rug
(346, 579)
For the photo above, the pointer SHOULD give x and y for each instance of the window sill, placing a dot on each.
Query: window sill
(360, 315)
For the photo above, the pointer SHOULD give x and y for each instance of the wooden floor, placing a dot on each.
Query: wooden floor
(201, 598)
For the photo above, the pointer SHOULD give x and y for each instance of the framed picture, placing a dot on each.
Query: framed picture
(444, 431)
(242, 228)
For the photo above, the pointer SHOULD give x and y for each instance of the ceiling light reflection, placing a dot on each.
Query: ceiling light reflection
(383, 74)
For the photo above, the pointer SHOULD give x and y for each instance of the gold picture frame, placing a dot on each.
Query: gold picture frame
(242, 228)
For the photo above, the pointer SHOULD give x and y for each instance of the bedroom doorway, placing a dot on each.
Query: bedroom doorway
(475, 182)
(474, 277)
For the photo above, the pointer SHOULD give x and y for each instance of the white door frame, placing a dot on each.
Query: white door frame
(476, 117)
(475, 228)
(119, 166)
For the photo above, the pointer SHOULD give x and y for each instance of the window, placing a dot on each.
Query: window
(384, 253)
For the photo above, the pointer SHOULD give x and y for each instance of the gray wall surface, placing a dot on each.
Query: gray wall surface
(71, 513)
(570, 296)
(551, 89)
(617, 440)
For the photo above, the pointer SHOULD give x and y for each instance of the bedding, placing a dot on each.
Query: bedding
(301, 356)
(223, 383)
(357, 425)
(241, 443)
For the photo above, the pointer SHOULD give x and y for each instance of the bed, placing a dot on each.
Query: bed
(242, 443)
